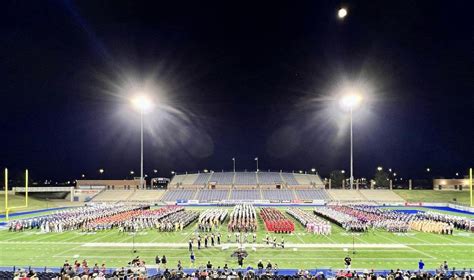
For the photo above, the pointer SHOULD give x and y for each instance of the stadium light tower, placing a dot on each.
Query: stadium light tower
(351, 101)
(143, 104)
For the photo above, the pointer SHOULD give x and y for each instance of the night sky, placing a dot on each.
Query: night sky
(235, 79)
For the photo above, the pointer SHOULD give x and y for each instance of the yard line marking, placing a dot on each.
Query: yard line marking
(423, 253)
(273, 258)
(301, 239)
(441, 236)
(288, 245)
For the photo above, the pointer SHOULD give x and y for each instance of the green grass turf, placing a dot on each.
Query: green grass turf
(434, 196)
(33, 203)
(36, 249)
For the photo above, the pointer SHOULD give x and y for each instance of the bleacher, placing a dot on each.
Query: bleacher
(189, 179)
(248, 186)
(245, 195)
(346, 195)
(173, 195)
(269, 178)
(381, 195)
(302, 179)
(245, 178)
(114, 195)
(278, 194)
(312, 194)
(177, 180)
(315, 179)
(212, 195)
(147, 195)
(222, 178)
(202, 179)
(289, 178)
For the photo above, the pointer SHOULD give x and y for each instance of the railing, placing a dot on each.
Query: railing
(153, 270)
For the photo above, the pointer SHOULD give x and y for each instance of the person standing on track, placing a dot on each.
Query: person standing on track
(421, 265)
(347, 262)
(193, 258)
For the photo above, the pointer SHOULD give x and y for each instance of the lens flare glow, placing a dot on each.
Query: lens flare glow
(143, 103)
(350, 101)
(342, 13)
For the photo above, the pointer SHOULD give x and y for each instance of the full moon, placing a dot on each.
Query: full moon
(342, 13)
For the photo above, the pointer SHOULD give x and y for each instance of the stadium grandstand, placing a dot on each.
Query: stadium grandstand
(225, 187)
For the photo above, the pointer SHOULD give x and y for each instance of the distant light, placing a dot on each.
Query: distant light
(83, 175)
(313, 169)
(301, 171)
(142, 103)
(395, 174)
(379, 168)
(101, 171)
(342, 13)
(428, 170)
(172, 172)
(457, 174)
(350, 101)
(132, 172)
(343, 171)
(155, 171)
(390, 170)
(205, 170)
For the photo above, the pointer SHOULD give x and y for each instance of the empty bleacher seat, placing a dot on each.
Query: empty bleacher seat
(278, 194)
(245, 178)
(173, 195)
(202, 179)
(212, 195)
(222, 178)
(289, 178)
(312, 194)
(269, 178)
(245, 195)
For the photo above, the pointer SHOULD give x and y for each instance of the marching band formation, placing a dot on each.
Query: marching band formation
(103, 217)
(346, 221)
(312, 223)
(71, 219)
(361, 218)
(243, 219)
(211, 219)
(275, 221)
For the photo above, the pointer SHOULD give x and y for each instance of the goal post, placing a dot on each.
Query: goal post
(470, 187)
(7, 206)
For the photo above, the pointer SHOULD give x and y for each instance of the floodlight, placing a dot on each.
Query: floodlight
(350, 101)
(342, 13)
(142, 103)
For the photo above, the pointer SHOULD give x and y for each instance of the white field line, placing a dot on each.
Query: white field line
(455, 241)
(288, 245)
(355, 237)
(79, 245)
(213, 250)
(299, 237)
(423, 253)
(229, 245)
(419, 239)
(273, 258)
(390, 239)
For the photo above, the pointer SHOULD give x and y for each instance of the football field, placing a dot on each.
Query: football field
(376, 249)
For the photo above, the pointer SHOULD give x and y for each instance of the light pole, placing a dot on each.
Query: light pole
(350, 102)
(144, 105)
(233, 161)
(256, 159)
